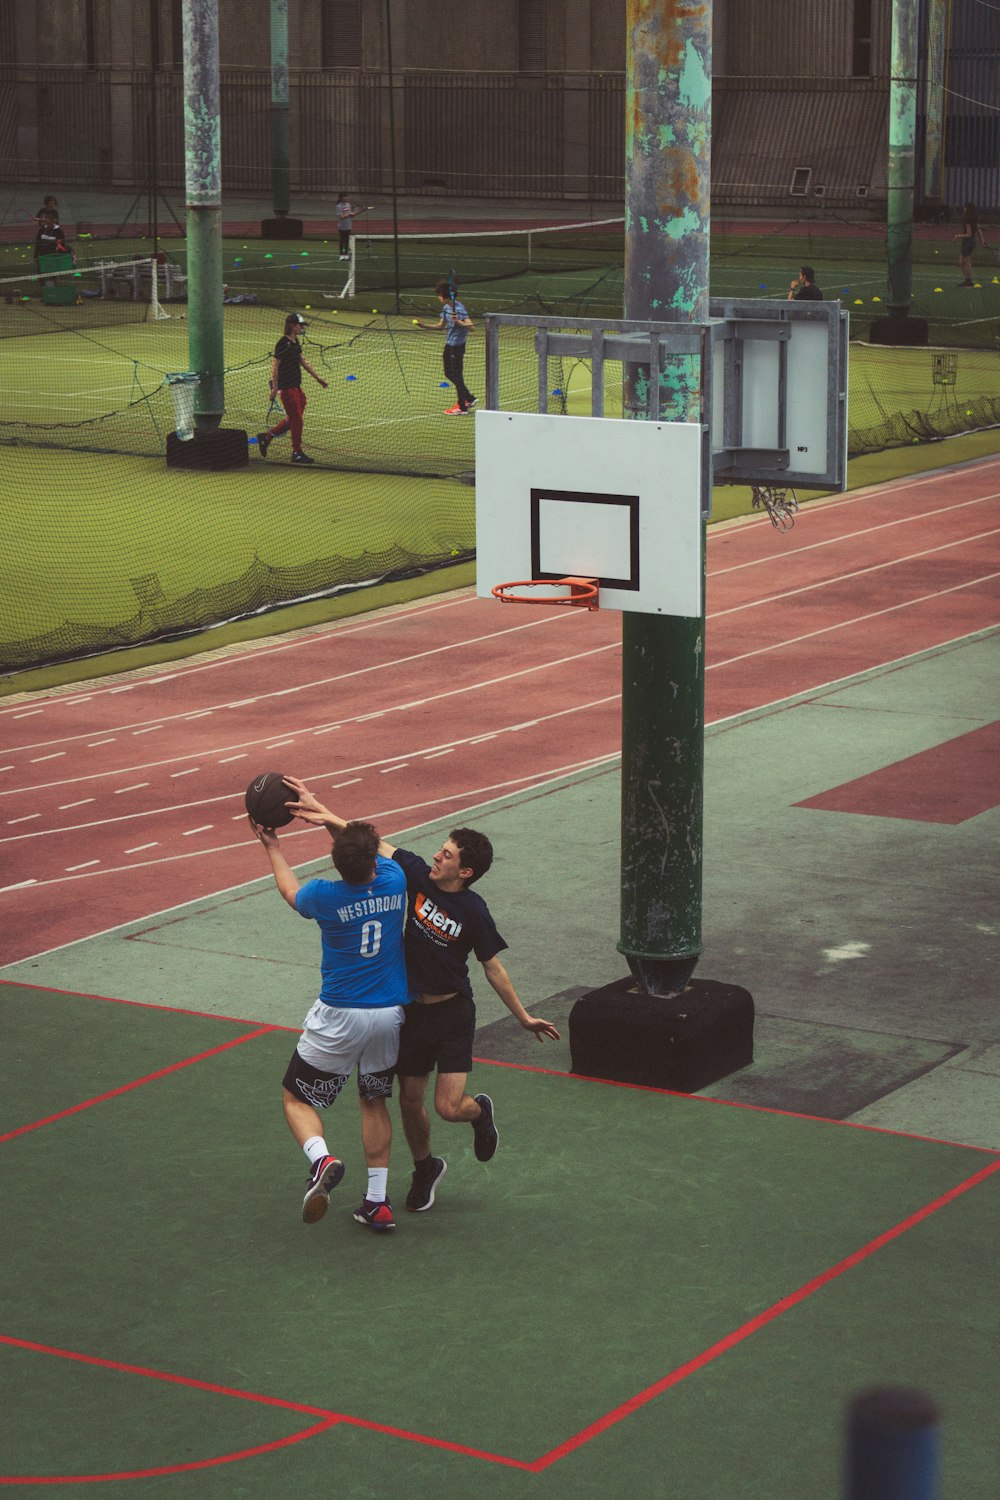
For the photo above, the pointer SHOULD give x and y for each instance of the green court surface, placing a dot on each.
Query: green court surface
(625, 1301)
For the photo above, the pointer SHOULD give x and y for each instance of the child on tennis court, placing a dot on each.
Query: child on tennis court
(286, 382)
(446, 922)
(456, 322)
(971, 236)
(356, 1021)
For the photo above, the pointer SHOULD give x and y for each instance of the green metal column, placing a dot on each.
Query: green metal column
(937, 51)
(902, 135)
(667, 143)
(280, 175)
(203, 175)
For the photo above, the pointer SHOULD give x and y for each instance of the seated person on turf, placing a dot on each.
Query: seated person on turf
(446, 922)
(356, 1021)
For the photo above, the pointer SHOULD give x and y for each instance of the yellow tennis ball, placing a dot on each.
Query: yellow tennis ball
(308, 307)
(374, 309)
(939, 288)
(416, 322)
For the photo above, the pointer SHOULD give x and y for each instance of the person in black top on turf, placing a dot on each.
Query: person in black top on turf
(286, 382)
(804, 288)
(446, 922)
(971, 236)
(49, 237)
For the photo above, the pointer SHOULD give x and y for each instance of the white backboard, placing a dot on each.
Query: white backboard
(592, 497)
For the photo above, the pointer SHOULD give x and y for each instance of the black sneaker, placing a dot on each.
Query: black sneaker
(264, 441)
(487, 1137)
(377, 1216)
(302, 458)
(424, 1183)
(325, 1175)
(473, 401)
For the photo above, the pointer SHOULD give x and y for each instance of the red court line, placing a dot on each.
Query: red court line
(562, 1450)
(759, 1109)
(138, 1083)
(739, 1335)
(172, 1010)
(199, 1463)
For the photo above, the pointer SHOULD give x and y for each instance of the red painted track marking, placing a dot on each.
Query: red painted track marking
(949, 783)
(131, 784)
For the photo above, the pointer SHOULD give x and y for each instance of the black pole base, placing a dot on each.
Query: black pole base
(684, 1044)
(225, 448)
(281, 229)
(912, 331)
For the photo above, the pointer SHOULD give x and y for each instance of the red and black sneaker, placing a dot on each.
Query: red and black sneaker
(377, 1216)
(325, 1175)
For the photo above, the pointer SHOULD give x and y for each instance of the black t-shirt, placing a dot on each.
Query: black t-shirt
(289, 356)
(809, 293)
(442, 929)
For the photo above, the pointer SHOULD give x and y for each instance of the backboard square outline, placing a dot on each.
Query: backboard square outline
(586, 497)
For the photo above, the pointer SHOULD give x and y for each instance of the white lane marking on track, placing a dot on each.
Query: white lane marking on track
(488, 682)
(141, 848)
(95, 744)
(28, 713)
(418, 754)
(205, 828)
(150, 729)
(65, 806)
(388, 770)
(458, 802)
(874, 614)
(824, 583)
(225, 761)
(26, 819)
(53, 755)
(399, 661)
(850, 536)
(86, 865)
(137, 787)
(21, 885)
(189, 772)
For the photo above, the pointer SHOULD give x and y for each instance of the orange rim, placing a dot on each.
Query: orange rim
(582, 592)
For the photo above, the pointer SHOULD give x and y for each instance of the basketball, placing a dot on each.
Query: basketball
(266, 797)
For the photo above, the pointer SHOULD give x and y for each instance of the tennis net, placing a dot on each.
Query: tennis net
(379, 262)
(89, 294)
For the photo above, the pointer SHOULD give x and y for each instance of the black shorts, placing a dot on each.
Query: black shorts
(437, 1036)
(321, 1089)
(967, 246)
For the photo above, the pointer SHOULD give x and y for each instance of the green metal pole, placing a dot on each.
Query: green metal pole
(202, 158)
(280, 173)
(902, 136)
(937, 44)
(667, 146)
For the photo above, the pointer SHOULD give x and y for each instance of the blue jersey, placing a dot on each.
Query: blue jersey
(450, 311)
(361, 927)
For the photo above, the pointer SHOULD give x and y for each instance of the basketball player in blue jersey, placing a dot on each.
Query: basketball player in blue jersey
(356, 1020)
(446, 923)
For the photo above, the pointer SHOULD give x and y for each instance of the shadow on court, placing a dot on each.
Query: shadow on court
(643, 1294)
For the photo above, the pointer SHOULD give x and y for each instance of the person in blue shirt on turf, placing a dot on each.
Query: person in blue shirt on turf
(356, 1021)
(446, 922)
(456, 322)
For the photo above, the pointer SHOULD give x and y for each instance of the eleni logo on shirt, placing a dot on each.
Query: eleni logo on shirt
(430, 915)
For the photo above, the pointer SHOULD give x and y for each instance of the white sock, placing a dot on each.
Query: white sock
(315, 1148)
(378, 1177)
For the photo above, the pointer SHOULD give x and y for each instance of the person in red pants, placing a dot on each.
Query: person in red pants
(286, 382)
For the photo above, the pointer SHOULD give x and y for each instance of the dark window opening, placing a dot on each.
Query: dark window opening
(861, 54)
(340, 34)
(530, 37)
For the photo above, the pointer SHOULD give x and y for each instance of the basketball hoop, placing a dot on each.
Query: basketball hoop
(581, 593)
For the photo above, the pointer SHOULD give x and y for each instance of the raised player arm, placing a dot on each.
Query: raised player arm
(311, 810)
(284, 878)
(500, 980)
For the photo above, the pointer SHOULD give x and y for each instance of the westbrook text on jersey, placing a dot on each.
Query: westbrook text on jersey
(370, 906)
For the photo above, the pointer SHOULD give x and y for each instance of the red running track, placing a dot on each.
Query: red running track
(125, 798)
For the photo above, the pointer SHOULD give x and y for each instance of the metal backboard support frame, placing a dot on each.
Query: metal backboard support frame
(749, 380)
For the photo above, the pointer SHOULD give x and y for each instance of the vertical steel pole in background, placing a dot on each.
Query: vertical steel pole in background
(280, 175)
(203, 179)
(937, 44)
(902, 165)
(667, 211)
(392, 145)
